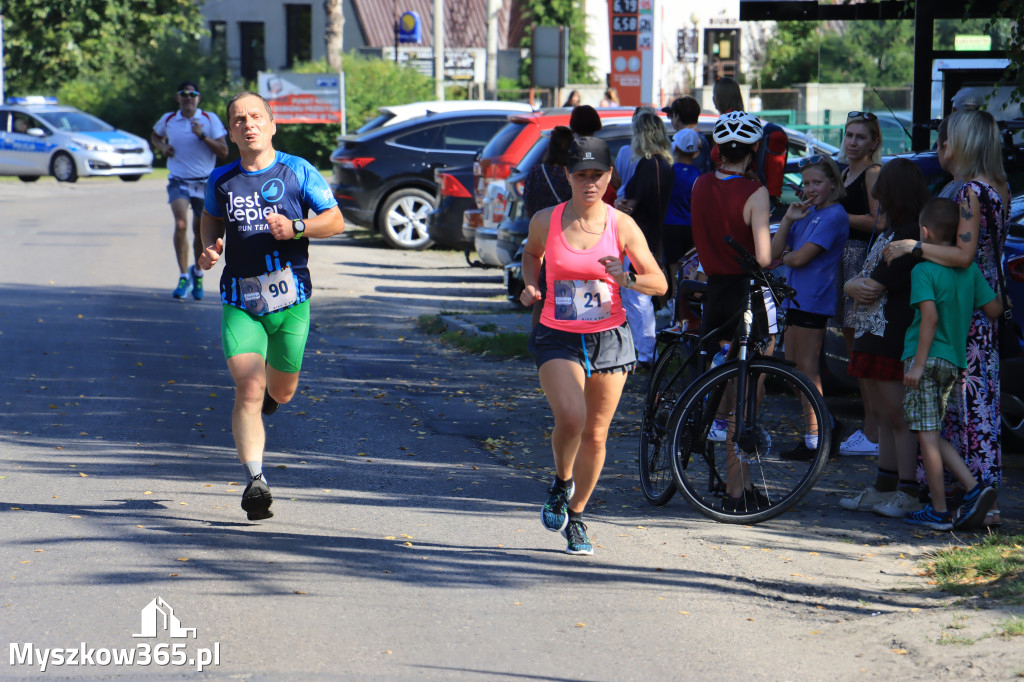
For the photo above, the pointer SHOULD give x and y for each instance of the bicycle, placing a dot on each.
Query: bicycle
(732, 425)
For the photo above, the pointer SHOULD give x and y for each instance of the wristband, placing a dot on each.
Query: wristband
(202, 136)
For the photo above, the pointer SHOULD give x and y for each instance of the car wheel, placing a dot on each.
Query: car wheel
(403, 219)
(63, 168)
(130, 178)
(28, 178)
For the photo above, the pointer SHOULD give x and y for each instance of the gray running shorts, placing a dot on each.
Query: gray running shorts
(604, 352)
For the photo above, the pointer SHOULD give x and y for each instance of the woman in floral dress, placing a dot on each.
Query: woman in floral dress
(972, 420)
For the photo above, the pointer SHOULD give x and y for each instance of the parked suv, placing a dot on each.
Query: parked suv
(384, 178)
(390, 115)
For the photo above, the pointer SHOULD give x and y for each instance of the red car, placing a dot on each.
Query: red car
(510, 144)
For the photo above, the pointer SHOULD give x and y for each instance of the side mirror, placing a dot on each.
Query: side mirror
(36, 132)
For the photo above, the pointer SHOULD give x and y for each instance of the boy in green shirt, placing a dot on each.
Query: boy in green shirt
(934, 357)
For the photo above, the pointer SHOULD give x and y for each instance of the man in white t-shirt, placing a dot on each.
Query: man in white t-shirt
(192, 140)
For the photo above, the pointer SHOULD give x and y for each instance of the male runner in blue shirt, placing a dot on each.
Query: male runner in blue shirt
(259, 205)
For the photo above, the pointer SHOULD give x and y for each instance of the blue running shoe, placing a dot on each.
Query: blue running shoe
(929, 518)
(184, 285)
(555, 513)
(197, 284)
(976, 504)
(576, 535)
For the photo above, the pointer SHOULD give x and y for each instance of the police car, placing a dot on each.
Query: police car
(40, 137)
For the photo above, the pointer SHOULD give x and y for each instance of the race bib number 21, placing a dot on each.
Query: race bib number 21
(586, 300)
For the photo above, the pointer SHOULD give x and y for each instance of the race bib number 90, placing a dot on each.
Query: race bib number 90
(586, 300)
(268, 293)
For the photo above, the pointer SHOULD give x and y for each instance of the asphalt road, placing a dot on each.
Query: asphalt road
(407, 479)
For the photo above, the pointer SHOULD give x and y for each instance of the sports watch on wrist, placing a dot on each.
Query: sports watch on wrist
(916, 251)
(300, 228)
(630, 279)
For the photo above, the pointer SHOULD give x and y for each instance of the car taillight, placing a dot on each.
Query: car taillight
(1015, 268)
(498, 170)
(451, 187)
(519, 186)
(356, 162)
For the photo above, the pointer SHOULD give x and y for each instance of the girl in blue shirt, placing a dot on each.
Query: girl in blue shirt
(810, 243)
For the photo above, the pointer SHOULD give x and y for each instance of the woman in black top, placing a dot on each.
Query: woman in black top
(862, 151)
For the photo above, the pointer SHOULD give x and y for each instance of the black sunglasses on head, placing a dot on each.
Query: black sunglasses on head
(866, 115)
(188, 93)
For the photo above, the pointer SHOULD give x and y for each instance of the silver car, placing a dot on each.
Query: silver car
(40, 137)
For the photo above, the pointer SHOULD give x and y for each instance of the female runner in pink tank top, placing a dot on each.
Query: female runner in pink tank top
(582, 345)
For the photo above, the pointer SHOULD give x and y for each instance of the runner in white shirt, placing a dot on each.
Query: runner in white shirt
(192, 140)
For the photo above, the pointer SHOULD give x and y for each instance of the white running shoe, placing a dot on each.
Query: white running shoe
(858, 445)
(898, 506)
(866, 499)
(719, 431)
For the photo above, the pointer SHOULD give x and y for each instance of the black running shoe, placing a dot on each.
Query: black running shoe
(801, 453)
(269, 404)
(256, 499)
(752, 500)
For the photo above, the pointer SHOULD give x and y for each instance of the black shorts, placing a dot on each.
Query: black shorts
(798, 318)
(725, 296)
(601, 352)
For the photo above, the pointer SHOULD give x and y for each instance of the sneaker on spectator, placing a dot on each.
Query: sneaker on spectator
(929, 518)
(898, 506)
(866, 499)
(555, 513)
(719, 431)
(576, 535)
(858, 445)
(184, 286)
(976, 504)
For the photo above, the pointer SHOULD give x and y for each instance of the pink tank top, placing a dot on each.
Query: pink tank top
(581, 297)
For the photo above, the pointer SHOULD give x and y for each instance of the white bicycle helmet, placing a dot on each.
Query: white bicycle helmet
(739, 127)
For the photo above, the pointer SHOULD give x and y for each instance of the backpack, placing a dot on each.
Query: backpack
(770, 166)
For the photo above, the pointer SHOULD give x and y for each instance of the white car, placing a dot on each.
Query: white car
(40, 137)
(403, 112)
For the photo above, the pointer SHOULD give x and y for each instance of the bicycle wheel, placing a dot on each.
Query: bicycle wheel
(674, 371)
(709, 461)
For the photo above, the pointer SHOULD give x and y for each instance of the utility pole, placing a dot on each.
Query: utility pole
(493, 9)
(439, 50)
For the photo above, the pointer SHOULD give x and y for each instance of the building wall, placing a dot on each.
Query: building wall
(273, 15)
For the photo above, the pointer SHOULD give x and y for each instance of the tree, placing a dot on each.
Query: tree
(567, 13)
(334, 27)
(48, 44)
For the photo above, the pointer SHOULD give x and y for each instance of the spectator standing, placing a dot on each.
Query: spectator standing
(610, 99)
(862, 151)
(584, 120)
(951, 188)
(882, 293)
(546, 183)
(192, 140)
(972, 421)
(573, 99)
(583, 352)
(685, 113)
(677, 234)
(810, 242)
(625, 164)
(647, 195)
(728, 203)
(935, 355)
(769, 164)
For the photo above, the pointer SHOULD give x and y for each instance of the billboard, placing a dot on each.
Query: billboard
(302, 97)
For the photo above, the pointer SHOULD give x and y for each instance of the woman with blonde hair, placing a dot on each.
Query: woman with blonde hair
(972, 421)
(647, 195)
(611, 99)
(862, 152)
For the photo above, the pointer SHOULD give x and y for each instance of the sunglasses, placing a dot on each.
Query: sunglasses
(187, 93)
(866, 115)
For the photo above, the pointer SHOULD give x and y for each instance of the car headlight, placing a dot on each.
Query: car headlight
(91, 145)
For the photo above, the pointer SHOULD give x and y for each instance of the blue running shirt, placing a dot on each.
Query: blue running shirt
(243, 200)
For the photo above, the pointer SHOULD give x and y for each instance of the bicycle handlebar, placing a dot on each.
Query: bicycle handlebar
(775, 283)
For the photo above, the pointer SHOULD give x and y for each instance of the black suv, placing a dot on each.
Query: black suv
(384, 178)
